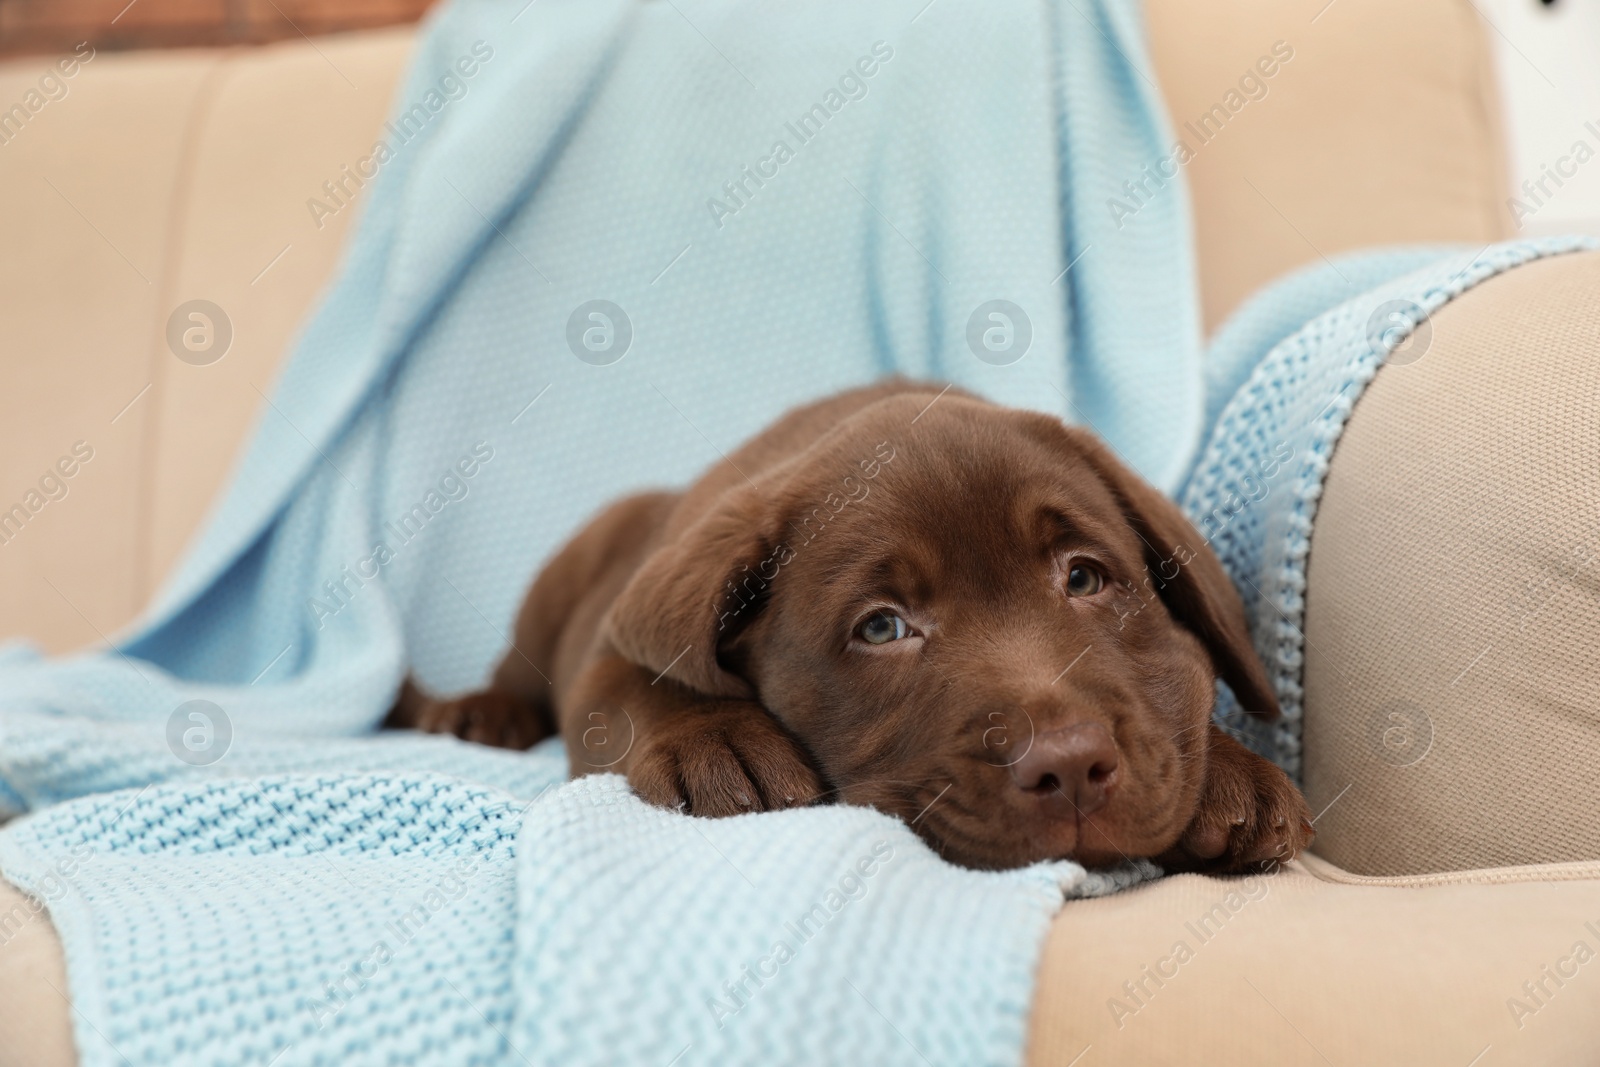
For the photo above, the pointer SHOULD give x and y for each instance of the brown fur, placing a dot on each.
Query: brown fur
(707, 644)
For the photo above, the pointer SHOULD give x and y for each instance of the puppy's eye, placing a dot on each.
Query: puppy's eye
(1084, 580)
(883, 627)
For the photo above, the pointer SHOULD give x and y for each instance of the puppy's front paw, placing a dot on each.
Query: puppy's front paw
(489, 718)
(726, 761)
(1250, 814)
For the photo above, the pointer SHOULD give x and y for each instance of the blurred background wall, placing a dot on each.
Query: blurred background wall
(1548, 58)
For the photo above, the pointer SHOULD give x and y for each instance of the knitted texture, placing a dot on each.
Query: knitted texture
(813, 936)
(455, 410)
(1253, 490)
(418, 919)
(305, 919)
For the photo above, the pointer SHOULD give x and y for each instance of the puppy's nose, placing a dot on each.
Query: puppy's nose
(1075, 763)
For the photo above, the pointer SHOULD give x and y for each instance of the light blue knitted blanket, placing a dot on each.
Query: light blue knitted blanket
(606, 241)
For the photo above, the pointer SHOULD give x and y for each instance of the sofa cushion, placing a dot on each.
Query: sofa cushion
(36, 1025)
(1311, 966)
(1452, 706)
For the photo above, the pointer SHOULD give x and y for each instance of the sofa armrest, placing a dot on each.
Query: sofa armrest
(1452, 707)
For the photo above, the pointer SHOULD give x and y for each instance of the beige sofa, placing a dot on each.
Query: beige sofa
(165, 177)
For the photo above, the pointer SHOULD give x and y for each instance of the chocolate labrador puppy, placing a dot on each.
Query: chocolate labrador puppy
(972, 617)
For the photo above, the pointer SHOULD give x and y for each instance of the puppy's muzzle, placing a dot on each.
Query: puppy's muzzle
(1069, 771)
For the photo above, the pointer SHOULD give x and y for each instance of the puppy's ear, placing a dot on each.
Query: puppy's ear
(1190, 578)
(694, 594)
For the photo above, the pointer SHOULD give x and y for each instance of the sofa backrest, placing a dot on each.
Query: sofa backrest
(146, 181)
(1382, 128)
(156, 179)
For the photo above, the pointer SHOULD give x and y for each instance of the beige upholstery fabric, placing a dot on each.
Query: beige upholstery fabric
(35, 1021)
(1454, 591)
(257, 158)
(1299, 968)
(1381, 129)
(158, 178)
(87, 189)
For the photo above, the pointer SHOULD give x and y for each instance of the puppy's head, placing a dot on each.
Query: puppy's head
(979, 621)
